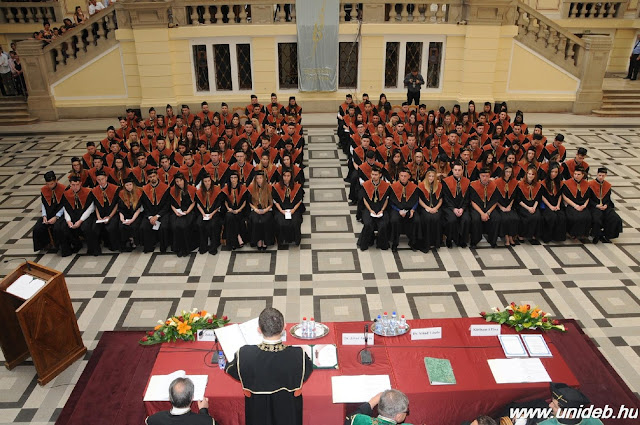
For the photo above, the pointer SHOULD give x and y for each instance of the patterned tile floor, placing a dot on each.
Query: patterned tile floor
(326, 276)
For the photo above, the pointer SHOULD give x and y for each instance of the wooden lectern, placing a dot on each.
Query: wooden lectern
(43, 326)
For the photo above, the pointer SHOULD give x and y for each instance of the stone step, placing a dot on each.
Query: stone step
(620, 102)
(17, 121)
(634, 92)
(615, 113)
(621, 107)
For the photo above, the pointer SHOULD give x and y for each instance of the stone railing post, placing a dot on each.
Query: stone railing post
(489, 12)
(594, 64)
(37, 77)
(262, 14)
(373, 13)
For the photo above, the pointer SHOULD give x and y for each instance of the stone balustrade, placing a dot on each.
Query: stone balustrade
(74, 48)
(549, 39)
(593, 9)
(31, 12)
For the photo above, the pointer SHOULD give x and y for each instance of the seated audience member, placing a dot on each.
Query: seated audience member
(129, 210)
(457, 220)
(155, 224)
(571, 164)
(429, 213)
(565, 397)
(181, 395)
(183, 201)
(484, 202)
(529, 195)
(235, 218)
(271, 374)
(79, 216)
(261, 215)
(554, 226)
(606, 224)
(509, 220)
(106, 198)
(374, 194)
(576, 194)
(404, 199)
(287, 198)
(393, 408)
(51, 196)
(209, 200)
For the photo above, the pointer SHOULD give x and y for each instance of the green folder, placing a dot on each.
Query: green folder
(439, 371)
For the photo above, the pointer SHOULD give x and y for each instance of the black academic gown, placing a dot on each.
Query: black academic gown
(509, 220)
(430, 223)
(236, 224)
(376, 198)
(605, 223)
(456, 195)
(44, 234)
(484, 197)
(70, 241)
(106, 201)
(529, 195)
(554, 226)
(578, 222)
(184, 238)
(157, 204)
(288, 231)
(404, 197)
(209, 230)
(271, 376)
(189, 418)
(128, 210)
(261, 226)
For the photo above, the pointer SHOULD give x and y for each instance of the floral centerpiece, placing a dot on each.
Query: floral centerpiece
(183, 327)
(522, 317)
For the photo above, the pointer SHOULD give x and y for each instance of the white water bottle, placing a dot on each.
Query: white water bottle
(378, 324)
(403, 323)
(312, 327)
(393, 325)
(385, 323)
(305, 327)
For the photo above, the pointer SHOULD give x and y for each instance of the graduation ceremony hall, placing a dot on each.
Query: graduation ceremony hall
(261, 213)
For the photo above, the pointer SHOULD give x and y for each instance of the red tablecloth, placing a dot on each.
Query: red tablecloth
(402, 359)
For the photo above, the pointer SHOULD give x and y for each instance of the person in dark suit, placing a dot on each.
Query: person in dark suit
(181, 395)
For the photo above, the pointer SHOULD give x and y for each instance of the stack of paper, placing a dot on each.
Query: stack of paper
(323, 356)
(232, 337)
(358, 389)
(536, 345)
(25, 286)
(158, 389)
(512, 346)
(514, 371)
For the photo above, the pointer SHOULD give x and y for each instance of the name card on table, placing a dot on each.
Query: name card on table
(426, 333)
(356, 338)
(485, 330)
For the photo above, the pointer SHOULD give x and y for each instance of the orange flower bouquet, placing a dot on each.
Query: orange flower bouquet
(522, 317)
(183, 327)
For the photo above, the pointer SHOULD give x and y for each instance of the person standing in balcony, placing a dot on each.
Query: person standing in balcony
(79, 15)
(94, 7)
(634, 61)
(6, 79)
(414, 81)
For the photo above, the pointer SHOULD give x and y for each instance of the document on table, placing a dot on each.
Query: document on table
(512, 346)
(323, 356)
(536, 345)
(158, 389)
(515, 371)
(358, 388)
(25, 286)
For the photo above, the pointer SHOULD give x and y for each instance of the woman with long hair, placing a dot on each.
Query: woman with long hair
(226, 153)
(261, 215)
(421, 135)
(412, 125)
(529, 195)
(471, 111)
(442, 167)
(487, 160)
(456, 114)
(209, 199)
(296, 172)
(509, 219)
(429, 213)
(383, 108)
(183, 197)
(217, 126)
(235, 223)
(129, 209)
(120, 172)
(78, 170)
(287, 198)
(553, 216)
(394, 166)
(418, 167)
(529, 159)
(431, 123)
(191, 141)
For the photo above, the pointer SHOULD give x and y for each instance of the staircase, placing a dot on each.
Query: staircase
(620, 103)
(15, 111)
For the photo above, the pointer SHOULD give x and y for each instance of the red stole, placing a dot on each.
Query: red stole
(160, 189)
(47, 193)
(83, 196)
(600, 190)
(245, 171)
(479, 188)
(282, 191)
(211, 170)
(427, 194)
(409, 189)
(506, 189)
(573, 187)
(452, 183)
(123, 195)
(111, 191)
(240, 190)
(190, 190)
(369, 188)
(212, 195)
(529, 191)
(571, 166)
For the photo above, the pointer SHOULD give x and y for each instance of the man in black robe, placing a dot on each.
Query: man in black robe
(79, 216)
(44, 230)
(484, 201)
(456, 205)
(375, 198)
(576, 194)
(403, 199)
(106, 202)
(155, 224)
(271, 375)
(606, 224)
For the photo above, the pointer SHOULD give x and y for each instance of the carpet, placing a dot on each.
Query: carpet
(111, 387)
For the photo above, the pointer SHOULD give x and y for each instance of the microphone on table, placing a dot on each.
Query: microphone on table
(19, 258)
(365, 356)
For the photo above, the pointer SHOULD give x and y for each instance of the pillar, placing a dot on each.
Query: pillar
(37, 76)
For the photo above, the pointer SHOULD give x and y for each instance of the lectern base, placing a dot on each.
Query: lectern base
(44, 380)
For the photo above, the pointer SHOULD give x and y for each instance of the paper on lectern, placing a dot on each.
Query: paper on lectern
(25, 286)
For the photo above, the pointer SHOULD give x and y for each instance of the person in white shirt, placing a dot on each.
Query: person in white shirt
(6, 79)
(95, 6)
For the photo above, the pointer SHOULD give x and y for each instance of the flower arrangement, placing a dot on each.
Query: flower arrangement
(183, 327)
(522, 317)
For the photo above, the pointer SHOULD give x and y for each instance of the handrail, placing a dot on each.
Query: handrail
(593, 9)
(30, 12)
(550, 23)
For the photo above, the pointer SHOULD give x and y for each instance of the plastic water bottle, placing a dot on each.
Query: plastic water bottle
(385, 324)
(312, 327)
(378, 325)
(393, 325)
(222, 361)
(403, 323)
(305, 327)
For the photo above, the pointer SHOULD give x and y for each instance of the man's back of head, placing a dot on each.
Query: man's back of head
(181, 392)
(271, 322)
(393, 403)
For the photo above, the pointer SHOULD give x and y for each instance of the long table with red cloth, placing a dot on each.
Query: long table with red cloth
(474, 393)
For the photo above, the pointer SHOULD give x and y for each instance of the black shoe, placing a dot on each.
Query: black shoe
(605, 239)
(394, 248)
(364, 248)
(386, 248)
(627, 78)
(473, 246)
(202, 251)
(449, 243)
(633, 79)
(424, 250)
(494, 245)
(596, 239)
(462, 245)
(213, 251)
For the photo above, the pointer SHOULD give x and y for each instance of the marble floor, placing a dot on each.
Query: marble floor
(326, 276)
